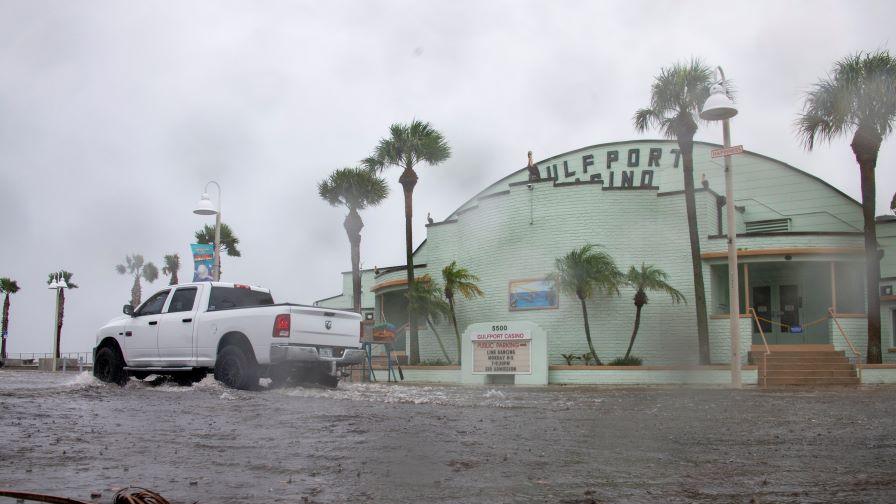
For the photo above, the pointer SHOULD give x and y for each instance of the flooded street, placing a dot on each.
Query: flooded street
(71, 435)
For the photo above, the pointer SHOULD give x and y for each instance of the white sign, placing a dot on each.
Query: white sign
(502, 351)
(729, 151)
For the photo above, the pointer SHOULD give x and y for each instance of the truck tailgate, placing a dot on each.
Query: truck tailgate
(316, 326)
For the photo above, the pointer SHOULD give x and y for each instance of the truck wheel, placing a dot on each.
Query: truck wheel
(235, 369)
(109, 367)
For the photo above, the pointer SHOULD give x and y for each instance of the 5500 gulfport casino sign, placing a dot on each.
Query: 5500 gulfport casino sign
(502, 350)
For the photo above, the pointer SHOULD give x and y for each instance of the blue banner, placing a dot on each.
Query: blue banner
(203, 261)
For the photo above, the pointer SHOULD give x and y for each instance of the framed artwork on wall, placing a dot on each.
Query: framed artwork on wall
(533, 294)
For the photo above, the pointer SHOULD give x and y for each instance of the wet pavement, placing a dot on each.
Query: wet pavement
(67, 434)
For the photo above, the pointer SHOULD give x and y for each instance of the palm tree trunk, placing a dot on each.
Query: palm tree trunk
(61, 297)
(135, 291)
(588, 332)
(353, 225)
(454, 323)
(438, 339)
(4, 326)
(173, 277)
(865, 146)
(631, 343)
(686, 146)
(408, 180)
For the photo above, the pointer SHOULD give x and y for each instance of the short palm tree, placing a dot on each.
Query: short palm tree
(429, 304)
(355, 189)
(648, 278)
(60, 302)
(171, 267)
(676, 97)
(858, 98)
(229, 241)
(583, 272)
(8, 286)
(459, 281)
(406, 147)
(134, 265)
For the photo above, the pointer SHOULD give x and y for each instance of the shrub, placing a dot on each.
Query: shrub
(433, 362)
(569, 358)
(588, 358)
(631, 360)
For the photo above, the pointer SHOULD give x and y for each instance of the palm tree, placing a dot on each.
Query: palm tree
(7, 286)
(134, 265)
(583, 272)
(355, 189)
(60, 303)
(171, 267)
(676, 96)
(407, 146)
(429, 304)
(461, 281)
(229, 241)
(859, 97)
(648, 278)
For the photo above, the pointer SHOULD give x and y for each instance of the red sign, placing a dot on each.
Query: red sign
(728, 151)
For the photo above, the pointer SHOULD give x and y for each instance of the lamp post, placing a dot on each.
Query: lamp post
(56, 285)
(204, 207)
(719, 107)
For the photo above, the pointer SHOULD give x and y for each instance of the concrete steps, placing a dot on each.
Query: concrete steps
(814, 366)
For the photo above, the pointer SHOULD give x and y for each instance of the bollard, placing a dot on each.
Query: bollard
(63, 364)
(80, 364)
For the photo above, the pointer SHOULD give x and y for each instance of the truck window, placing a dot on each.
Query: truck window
(182, 300)
(222, 298)
(153, 305)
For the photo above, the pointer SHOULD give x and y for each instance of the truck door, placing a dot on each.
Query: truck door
(140, 341)
(176, 328)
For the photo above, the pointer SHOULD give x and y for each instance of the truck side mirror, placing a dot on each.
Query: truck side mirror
(128, 310)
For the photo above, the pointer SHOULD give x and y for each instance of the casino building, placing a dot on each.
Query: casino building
(799, 239)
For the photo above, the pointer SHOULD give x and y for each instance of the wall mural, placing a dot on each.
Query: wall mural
(533, 294)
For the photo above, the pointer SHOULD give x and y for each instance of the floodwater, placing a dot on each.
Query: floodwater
(69, 435)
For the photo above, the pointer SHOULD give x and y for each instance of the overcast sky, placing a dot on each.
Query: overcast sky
(114, 115)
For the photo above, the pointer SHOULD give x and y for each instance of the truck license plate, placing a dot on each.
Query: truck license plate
(326, 352)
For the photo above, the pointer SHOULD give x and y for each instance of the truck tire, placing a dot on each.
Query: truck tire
(109, 367)
(235, 369)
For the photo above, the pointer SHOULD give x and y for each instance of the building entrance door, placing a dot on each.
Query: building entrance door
(778, 309)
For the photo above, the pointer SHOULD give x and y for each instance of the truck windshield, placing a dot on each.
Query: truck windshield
(222, 298)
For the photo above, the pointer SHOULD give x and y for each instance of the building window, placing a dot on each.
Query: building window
(850, 280)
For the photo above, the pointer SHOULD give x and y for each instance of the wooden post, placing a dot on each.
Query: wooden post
(833, 287)
(746, 288)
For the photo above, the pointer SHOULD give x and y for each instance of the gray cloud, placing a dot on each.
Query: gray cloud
(113, 115)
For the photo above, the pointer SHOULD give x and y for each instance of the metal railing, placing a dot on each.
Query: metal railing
(767, 350)
(857, 355)
(83, 357)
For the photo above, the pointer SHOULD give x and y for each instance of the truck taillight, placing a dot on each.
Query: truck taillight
(281, 326)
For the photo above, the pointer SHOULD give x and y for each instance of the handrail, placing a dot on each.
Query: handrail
(848, 342)
(767, 350)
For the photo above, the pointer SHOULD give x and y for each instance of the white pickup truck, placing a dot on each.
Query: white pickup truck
(234, 330)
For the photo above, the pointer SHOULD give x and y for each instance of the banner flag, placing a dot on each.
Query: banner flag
(203, 261)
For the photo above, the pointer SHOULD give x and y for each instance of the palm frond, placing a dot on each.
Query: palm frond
(354, 188)
(8, 285)
(858, 94)
(150, 272)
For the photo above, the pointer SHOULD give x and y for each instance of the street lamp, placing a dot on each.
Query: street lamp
(57, 284)
(720, 107)
(205, 207)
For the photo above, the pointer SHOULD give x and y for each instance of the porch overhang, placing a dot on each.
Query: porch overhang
(787, 251)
